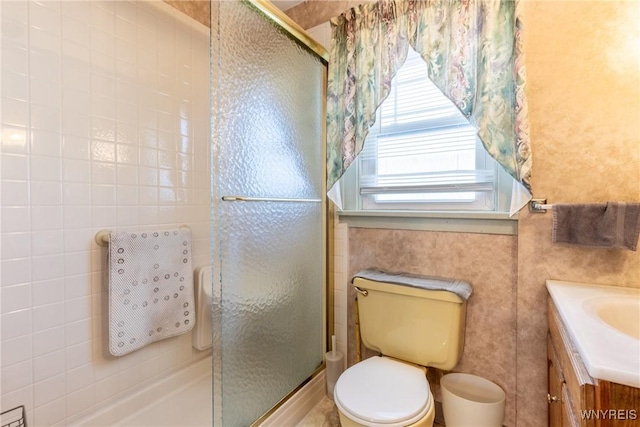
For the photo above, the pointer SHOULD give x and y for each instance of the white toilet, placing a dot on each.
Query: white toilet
(412, 328)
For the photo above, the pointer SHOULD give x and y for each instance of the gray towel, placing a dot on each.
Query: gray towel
(434, 283)
(610, 225)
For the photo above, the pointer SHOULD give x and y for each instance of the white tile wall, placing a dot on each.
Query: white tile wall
(340, 283)
(104, 120)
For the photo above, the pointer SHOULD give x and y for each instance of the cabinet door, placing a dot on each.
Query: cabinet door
(554, 387)
(569, 418)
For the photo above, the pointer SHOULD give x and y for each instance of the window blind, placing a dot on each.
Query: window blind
(421, 148)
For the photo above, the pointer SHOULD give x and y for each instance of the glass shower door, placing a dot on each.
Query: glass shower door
(269, 238)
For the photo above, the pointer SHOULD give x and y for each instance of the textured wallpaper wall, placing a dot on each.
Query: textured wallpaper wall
(200, 10)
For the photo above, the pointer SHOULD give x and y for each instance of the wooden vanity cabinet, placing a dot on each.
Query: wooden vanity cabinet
(576, 399)
(556, 382)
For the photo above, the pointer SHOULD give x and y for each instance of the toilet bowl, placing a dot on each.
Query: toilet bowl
(382, 391)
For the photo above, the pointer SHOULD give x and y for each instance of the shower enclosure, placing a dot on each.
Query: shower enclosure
(268, 210)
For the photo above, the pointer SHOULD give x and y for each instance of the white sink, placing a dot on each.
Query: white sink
(620, 313)
(604, 324)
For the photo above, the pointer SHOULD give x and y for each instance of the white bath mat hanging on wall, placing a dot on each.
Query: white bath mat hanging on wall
(150, 287)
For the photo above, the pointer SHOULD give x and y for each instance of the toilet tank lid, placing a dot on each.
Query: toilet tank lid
(434, 283)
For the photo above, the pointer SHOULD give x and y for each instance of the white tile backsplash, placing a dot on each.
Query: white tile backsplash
(15, 167)
(14, 111)
(43, 17)
(17, 297)
(46, 229)
(16, 324)
(45, 193)
(80, 400)
(340, 283)
(48, 365)
(45, 168)
(98, 131)
(16, 350)
(16, 376)
(106, 388)
(50, 413)
(50, 389)
(47, 292)
(46, 119)
(77, 217)
(15, 193)
(16, 59)
(48, 316)
(78, 354)
(77, 309)
(16, 11)
(17, 270)
(48, 340)
(78, 332)
(15, 85)
(44, 50)
(47, 267)
(15, 245)
(79, 378)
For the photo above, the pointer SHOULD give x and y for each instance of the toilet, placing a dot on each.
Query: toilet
(414, 322)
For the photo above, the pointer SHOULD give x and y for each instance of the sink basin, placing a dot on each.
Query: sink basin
(622, 314)
(604, 325)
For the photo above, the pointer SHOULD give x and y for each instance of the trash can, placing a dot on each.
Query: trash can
(471, 401)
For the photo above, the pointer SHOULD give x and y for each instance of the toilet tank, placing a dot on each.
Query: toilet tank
(421, 326)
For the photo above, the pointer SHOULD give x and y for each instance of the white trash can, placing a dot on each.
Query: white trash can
(471, 401)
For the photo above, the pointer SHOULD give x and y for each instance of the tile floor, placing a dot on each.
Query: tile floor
(325, 414)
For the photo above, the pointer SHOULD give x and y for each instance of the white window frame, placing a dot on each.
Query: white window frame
(491, 208)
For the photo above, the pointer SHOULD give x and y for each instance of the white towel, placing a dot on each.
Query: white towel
(150, 288)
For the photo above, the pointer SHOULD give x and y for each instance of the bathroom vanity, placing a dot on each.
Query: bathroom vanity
(593, 367)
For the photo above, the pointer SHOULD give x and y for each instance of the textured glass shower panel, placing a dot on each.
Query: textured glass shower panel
(271, 109)
(267, 134)
(272, 304)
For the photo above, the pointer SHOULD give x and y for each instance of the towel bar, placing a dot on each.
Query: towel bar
(102, 236)
(539, 206)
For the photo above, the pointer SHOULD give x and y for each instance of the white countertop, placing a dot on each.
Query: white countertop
(607, 353)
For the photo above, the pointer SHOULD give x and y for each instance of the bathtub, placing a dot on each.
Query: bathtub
(185, 398)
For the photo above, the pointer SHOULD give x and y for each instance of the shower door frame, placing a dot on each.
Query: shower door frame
(279, 18)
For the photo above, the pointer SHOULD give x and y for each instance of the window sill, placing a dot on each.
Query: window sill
(462, 222)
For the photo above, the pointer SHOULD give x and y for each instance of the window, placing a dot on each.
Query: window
(423, 154)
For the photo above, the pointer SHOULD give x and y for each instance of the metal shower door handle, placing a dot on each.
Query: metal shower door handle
(268, 199)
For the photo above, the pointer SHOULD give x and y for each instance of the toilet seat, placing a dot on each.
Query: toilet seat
(383, 392)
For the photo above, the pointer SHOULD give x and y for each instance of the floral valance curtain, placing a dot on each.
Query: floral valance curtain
(473, 51)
